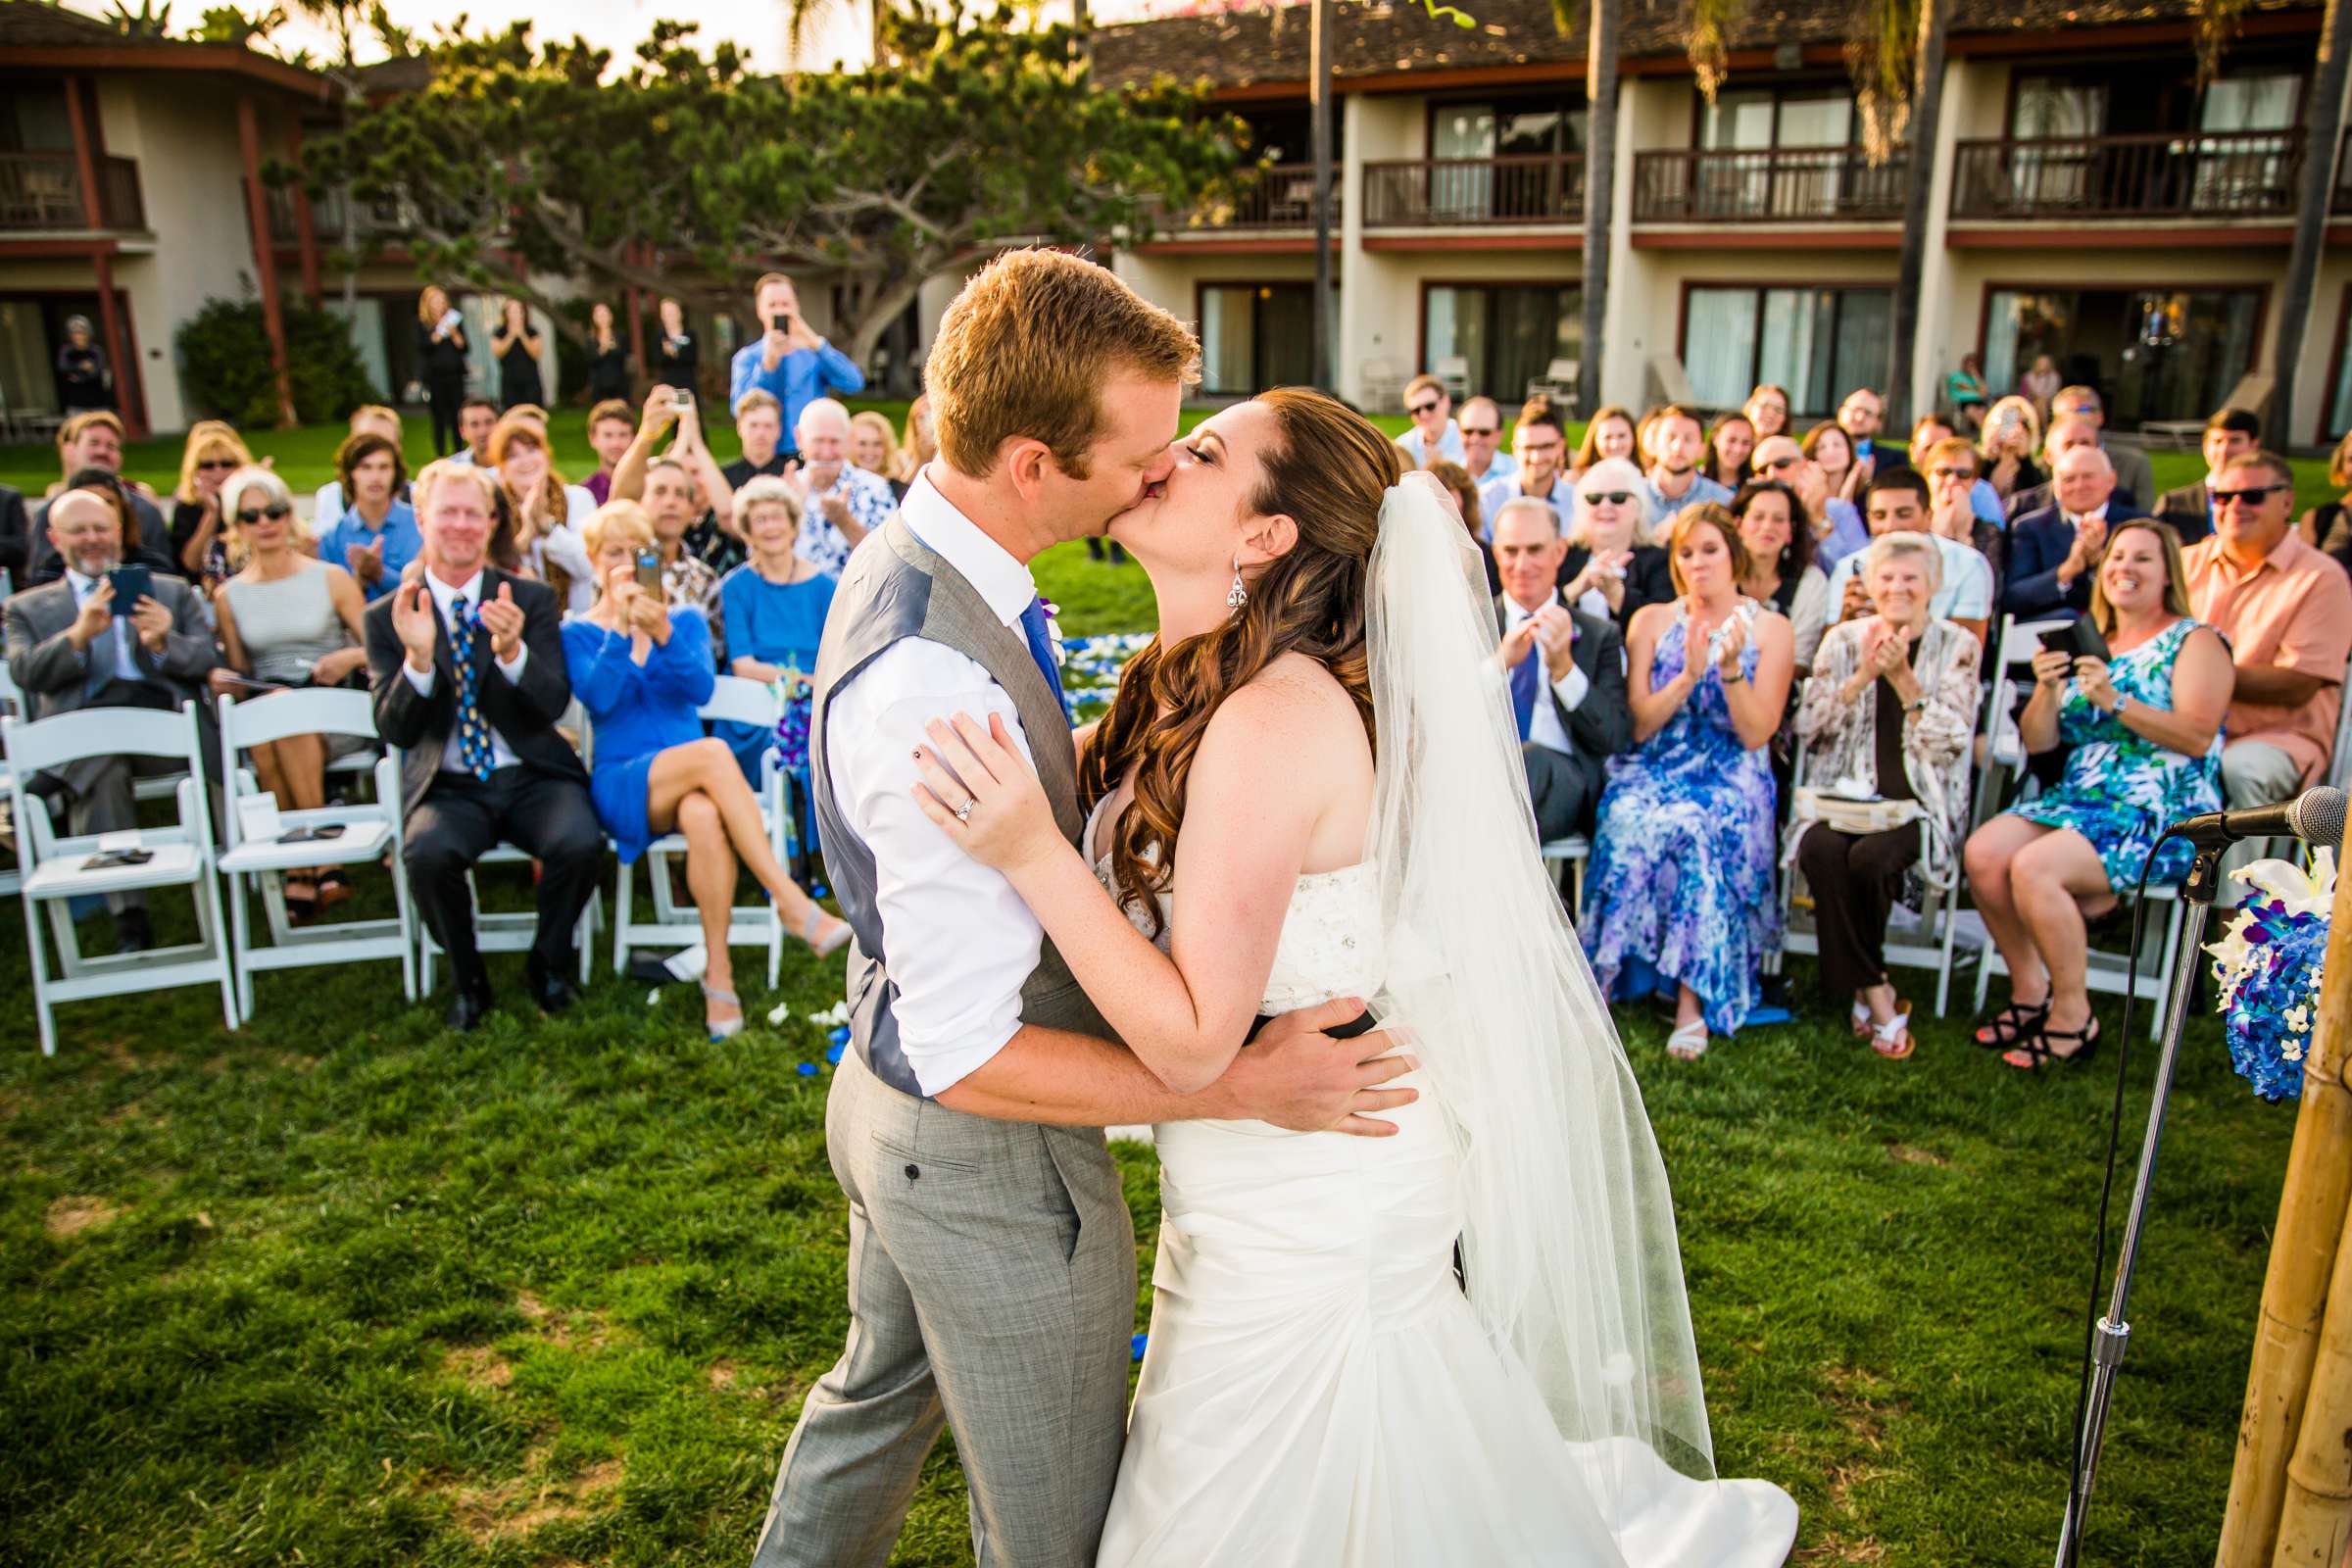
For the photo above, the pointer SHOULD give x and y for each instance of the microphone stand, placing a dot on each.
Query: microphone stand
(2107, 1349)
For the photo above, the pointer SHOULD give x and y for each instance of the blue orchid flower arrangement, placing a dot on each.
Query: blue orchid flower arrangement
(2266, 967)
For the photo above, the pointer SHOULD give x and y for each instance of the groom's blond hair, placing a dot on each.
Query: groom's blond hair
(1026, 348)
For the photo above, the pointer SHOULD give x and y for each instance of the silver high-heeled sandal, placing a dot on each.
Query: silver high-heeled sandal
(729, 1028)
(834, 941)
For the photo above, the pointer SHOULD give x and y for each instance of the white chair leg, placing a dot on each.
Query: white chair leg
(216, 936)
(624, 886)
(40, 978)
(407, 919)
(1943, 974)
(240, 942)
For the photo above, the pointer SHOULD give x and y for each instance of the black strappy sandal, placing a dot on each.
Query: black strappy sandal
(2037, 1046)
(2013, 1023)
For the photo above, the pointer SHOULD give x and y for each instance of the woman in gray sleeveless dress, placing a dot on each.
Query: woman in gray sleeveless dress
(287, 620)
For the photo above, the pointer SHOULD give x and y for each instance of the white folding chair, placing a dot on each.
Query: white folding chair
(12, 701)
(2014, 648)
(744, 701)
(1569, 857)
(57, 870)
(368, 831)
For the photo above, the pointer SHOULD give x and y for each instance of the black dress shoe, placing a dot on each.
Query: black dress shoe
(469, 1008)
(553, 992)
(132, 934)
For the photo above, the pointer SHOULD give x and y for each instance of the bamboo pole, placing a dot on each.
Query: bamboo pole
(2305, 1253)
(2315, 1518)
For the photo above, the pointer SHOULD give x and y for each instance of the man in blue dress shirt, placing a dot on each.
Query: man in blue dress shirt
(789, 361)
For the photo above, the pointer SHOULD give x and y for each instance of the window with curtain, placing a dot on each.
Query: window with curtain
(1255, 335)
(1508, 334)
(1819, 343)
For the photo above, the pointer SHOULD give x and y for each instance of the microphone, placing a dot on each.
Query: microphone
(2316, 815)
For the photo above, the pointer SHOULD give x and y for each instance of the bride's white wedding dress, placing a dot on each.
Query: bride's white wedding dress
(1317, 1390)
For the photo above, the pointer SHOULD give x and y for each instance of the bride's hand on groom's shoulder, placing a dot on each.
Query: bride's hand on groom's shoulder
(984, 795)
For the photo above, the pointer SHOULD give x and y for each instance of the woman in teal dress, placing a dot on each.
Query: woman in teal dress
(1679, 893)
(2145, 736)
(642, 671)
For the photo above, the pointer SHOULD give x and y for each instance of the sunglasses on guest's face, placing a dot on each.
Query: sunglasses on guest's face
(275, 512)
(1417, 410)
(1614, 498)
(1481, 429)
(1955, 473)
(210, 463)
(1778, 463)
(2253, 496)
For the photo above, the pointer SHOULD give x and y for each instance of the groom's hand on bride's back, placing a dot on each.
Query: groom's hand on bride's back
(1296, 1076)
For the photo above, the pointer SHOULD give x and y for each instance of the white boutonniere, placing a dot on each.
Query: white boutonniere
(1053, 632)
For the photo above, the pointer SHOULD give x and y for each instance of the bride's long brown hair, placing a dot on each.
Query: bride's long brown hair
(1328, 471)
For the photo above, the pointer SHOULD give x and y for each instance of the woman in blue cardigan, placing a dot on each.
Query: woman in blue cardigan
(642, 670)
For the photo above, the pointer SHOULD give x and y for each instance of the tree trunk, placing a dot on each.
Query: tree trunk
(1318, 79)
(2322, 128)
(1927, 112)
(1600, 191)
(872, 317)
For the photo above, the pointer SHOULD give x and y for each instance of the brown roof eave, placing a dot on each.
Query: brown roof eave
(221, 58)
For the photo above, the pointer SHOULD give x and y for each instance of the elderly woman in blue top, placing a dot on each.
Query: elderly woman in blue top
(642, 670)
(774, 605)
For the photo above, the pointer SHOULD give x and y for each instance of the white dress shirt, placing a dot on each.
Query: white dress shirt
(452, 757)
(126, 666)
(1416, 445)
(960, 941)
(1571, 688)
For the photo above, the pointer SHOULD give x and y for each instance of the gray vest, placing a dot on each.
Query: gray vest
(895, 587)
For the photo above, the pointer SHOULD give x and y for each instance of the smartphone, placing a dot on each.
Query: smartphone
(2078, 639)
(779, 324)
(684, 402)
(649, 571)
(131, 585)
(108, 859)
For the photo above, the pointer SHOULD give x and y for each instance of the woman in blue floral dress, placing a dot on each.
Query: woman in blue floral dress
(1679, 890)
(2145, 732)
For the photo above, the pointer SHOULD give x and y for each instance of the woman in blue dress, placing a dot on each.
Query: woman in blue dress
(1680, 889)
(2145, 732)
(642, 670)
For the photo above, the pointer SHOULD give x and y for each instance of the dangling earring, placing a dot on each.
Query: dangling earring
(1237, 594)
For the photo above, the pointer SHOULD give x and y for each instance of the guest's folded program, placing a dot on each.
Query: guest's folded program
(2145, 732)
(641, 668)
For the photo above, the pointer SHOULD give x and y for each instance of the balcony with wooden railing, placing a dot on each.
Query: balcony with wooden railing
(1769, 185)
(1540, 188)
(2243, 173)
(43, 191)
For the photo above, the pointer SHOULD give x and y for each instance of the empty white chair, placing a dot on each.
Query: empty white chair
(744, 701)
(57, 868)
(365, 832)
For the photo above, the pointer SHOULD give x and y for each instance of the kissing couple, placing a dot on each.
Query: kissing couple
(1418, 1299)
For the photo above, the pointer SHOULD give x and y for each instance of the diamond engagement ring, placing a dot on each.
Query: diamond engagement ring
(964, 813)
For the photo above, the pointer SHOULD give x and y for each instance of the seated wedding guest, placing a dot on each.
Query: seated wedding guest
(610, 424)
(1463, 491)
(1540, 446)
(759, 433)
(923, 438)
(1780, 563)
(1950, 465)
(2285, 611)
(1675, 442)
(1482, 457)
(1608, 434)
(376, 536)
(775, 606)
(287, 618)
(540, 515)
(368, 419)
(478, 416)
(874, 449)
(2145, 736)
(2055, 553)
(845, 502)
(16, 526)
(2039, 386)
(1834, 523)
(1679, 890)
(87, 441)
(1833, 452)
(2229, 434)
(1860, 416)
(1566, 671)
(72, 647)
(1898, 503)
(1610, 568)
(1930, 431)
(1767, 410)
(642, 670)
(212, 453)
(1433, 434)
(1891, 705)
(667, 486)
(467, 665)
(2134, 475)
(2010, 438)
(1729, 441)
(2066, 435)
(2327, 526)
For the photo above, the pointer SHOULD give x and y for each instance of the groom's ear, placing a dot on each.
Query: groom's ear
(1027, 460)
(1273, 536)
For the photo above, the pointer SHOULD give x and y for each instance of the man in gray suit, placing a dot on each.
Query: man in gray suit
(70, 646)
(992, 1262)
(1566, 671)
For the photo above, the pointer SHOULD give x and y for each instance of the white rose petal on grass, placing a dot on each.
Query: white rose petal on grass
(652, 997)
(779, 1012)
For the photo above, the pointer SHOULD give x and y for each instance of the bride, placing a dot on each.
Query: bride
(1317, 754)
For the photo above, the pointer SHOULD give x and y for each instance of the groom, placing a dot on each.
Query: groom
(992, 1262)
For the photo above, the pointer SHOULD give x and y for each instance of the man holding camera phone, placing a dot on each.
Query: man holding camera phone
(105, 635)
(789, 361)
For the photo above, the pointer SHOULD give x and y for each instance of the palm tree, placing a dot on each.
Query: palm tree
(1926, 84)
(2323, 130)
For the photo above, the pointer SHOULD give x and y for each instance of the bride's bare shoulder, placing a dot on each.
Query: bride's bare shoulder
(1294, 703)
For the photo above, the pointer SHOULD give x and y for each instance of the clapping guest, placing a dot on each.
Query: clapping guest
(775, 604)
(515, 344)
(540, 536)
(641, 670)
(330, 501)
(608, 360)
(1930, 431)
(1608, 434)
(1780, 563)
(874, 449)
(1950, 466)
(1891, 707)
(1610, 568)
(2007, 446)
(214, 451)
(376, 536)
(1729, 440)
(441, 362)
(1567, 671)
(845, 503)
(288, 618)
(2055, 553)
(2143, 730)
(1767, 410)
(1679, 890)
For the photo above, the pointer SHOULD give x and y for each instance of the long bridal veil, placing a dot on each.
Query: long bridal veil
(1569, 1244)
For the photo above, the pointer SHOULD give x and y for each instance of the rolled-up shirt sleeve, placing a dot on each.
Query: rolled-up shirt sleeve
(961, 943)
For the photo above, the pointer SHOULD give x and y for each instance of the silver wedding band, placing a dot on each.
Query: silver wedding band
(964, 813)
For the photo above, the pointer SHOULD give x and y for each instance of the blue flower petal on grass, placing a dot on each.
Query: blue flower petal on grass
(839, 1034)
(1135, 1347)
(807, 1070)
(833, 1054)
